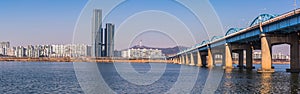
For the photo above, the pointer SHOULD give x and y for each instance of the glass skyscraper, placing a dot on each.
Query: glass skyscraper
(109, 40)
(97, 35)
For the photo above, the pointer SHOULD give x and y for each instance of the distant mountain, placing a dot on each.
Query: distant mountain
(166, 51)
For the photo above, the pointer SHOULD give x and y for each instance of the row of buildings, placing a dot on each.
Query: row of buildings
(74, 50)
(257, 56)
(69, 50)
(275, 56)
(81, 50)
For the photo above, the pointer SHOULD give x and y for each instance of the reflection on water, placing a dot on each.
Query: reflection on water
(266, 80)
(60, 78)
(242, 81)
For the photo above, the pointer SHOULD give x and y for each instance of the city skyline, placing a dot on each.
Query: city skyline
(229, 16)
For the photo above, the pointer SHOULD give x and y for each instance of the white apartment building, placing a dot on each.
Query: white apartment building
(142, 53)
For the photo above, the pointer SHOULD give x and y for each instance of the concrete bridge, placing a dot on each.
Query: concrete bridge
(265, 31)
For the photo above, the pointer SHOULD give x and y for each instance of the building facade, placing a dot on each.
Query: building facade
(71, 50)
(109, 40)
(97, 33)
(142, 53)
(4, 46)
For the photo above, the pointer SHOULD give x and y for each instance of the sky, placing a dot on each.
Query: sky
(24, 22)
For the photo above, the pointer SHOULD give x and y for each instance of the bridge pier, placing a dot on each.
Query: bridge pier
(192, 60)
(241, 59)
(187, 59)
(228, 57)
(182, 61)
(199, 59)
(179, 61)
(266, 57)
(249, 58)
(176, 60)
(295, 62)
(209, 59)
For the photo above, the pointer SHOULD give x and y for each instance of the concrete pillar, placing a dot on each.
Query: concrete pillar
(181, 60)
(241, 59)
(186, 59)
(209, 59)
(192, 60)
(228, 57)
(295, 63)
(199, 59)
(266, 57)
(249, 58)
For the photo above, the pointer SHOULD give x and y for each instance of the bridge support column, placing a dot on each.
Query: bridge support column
(228, 57)
(199, 59)
(295, 62)
(186, 59)
(209, 59)
(241, 59)
(249, 58)
(181, 59)
(192, 60)
(266, 58)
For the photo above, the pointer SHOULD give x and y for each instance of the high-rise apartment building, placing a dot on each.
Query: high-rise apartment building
(20, 51)
(30, 51)
(97, 35)
(109, 40)
(4, 47)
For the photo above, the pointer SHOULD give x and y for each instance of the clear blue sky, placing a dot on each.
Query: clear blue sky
(25, 22)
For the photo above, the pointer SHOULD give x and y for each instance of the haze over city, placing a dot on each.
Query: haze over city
(53, 21)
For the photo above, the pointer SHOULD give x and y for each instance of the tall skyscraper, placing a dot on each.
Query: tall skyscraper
(97, 36)
(109, 40)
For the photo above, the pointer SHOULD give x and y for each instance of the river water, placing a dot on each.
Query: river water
(42, 77)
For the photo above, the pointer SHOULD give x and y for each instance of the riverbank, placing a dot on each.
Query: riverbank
(67, 59)
(107, 59)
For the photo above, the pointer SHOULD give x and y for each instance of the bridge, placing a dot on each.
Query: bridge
(265, 31)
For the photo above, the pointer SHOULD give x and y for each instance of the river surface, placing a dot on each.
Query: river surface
(42, 77)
